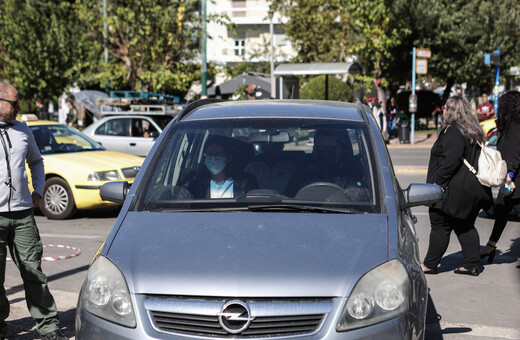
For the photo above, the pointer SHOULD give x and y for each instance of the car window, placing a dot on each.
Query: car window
(238, 164)
(101, 130)
(142, 127)
(53, 139)
(118, 127)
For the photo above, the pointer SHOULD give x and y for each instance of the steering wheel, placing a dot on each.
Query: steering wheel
(322, 191)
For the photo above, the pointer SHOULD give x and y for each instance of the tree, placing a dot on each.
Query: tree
(333, 30)
(40, 53)
(459, 33)
(151, 42)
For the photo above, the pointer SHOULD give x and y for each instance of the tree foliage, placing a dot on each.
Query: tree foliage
(337, 89)
(151, 42)
(382, 33)
(40, 52)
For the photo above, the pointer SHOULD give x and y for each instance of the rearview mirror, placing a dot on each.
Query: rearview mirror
(114, 191)
(422, 194)
(270, 137)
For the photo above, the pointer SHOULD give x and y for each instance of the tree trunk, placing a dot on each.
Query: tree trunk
(447, 91)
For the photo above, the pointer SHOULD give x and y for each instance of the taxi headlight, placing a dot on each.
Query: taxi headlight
(111, 175)
(380, 295)
(105, 293)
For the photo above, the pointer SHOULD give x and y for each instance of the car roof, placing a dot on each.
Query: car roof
(309, 109)
(42, 122)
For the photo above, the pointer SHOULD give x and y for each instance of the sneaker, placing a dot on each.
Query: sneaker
(55, 335)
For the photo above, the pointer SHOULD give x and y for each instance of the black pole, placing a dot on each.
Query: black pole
(326, 87)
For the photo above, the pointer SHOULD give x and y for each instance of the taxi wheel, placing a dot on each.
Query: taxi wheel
(57, 202)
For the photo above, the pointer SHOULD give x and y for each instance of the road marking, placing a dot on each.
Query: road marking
(72, 236)
(480, 330)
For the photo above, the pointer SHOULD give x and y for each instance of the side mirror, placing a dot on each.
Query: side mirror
(422, 194)
(114, 191)
(154, 134)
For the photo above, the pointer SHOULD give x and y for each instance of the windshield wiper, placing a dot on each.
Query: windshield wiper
(303, 208)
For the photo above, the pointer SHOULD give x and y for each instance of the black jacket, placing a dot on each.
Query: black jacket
(509, 146)
(464, 195)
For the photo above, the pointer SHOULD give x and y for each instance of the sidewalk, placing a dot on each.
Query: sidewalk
(422, 139)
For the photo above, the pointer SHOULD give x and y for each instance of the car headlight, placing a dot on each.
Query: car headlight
(105, 293)
(111, 175)
(381, 294)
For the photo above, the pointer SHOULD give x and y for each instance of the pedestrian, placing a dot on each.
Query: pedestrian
(393, 110)
(72, 117)
(18, 229)
(486, 110)
(464, 195)
(41, 110)
(508, 127)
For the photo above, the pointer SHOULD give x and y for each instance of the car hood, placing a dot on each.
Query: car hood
(248, 254)
(94, 160)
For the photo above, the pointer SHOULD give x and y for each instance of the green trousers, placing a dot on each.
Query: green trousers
(18, 231)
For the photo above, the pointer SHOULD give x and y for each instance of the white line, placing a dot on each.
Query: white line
(483, 331)
(71, 236)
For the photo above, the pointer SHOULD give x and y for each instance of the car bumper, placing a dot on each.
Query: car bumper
(91, 327)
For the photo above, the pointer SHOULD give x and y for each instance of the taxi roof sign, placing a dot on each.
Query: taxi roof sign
(423, 53)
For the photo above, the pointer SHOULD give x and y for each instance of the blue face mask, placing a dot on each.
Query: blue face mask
(215, 164)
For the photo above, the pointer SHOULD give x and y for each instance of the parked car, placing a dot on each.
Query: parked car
(322, 245)
(75, 169)
(488, 126)
(129, 134)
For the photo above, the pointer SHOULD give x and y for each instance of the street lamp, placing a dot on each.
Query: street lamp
(271, 33)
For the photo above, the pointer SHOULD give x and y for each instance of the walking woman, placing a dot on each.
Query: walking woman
(464, 196)
(508, 127)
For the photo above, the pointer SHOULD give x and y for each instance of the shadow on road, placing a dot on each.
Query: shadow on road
(50, 278)
(434, 331)
(23, 329)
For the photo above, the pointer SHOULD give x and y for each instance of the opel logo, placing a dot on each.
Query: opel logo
(235, 317)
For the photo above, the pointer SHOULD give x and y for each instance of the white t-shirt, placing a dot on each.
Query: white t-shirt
(224, 190)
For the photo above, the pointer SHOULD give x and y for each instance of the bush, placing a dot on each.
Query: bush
(338, 90)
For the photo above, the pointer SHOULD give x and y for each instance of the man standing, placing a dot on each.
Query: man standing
(486, 110)
(18, 228)
(41, 110)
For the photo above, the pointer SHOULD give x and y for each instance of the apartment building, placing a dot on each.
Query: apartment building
(250, 41)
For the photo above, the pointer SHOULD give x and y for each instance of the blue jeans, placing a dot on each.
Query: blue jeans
(391, 127)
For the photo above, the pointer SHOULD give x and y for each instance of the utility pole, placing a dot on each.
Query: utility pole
(271, 32)
(203, 80)
(105, 40)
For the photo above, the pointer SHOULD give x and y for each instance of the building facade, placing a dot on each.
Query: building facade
(250, 41)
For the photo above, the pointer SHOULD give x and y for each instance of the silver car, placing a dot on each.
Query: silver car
(261, 219)
(129, 134)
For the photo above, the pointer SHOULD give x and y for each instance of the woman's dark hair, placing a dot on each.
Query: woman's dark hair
(508, 110)
(225, 142)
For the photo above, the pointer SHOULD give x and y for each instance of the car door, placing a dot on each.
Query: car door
(114, 134)
(144, 132)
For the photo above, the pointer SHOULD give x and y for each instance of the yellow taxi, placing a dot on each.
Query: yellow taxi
(488, 125)
(75, 169)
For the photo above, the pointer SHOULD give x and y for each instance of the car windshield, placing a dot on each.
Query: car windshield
(263, 165)
(52, 139)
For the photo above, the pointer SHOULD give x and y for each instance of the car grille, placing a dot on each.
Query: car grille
(271, 318)
(130, 172)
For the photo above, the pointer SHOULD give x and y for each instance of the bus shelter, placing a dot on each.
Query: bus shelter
(313, 69)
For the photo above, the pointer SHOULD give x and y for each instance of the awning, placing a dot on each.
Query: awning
(317, 69)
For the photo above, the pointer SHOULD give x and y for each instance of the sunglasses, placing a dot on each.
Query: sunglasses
(14, 103)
